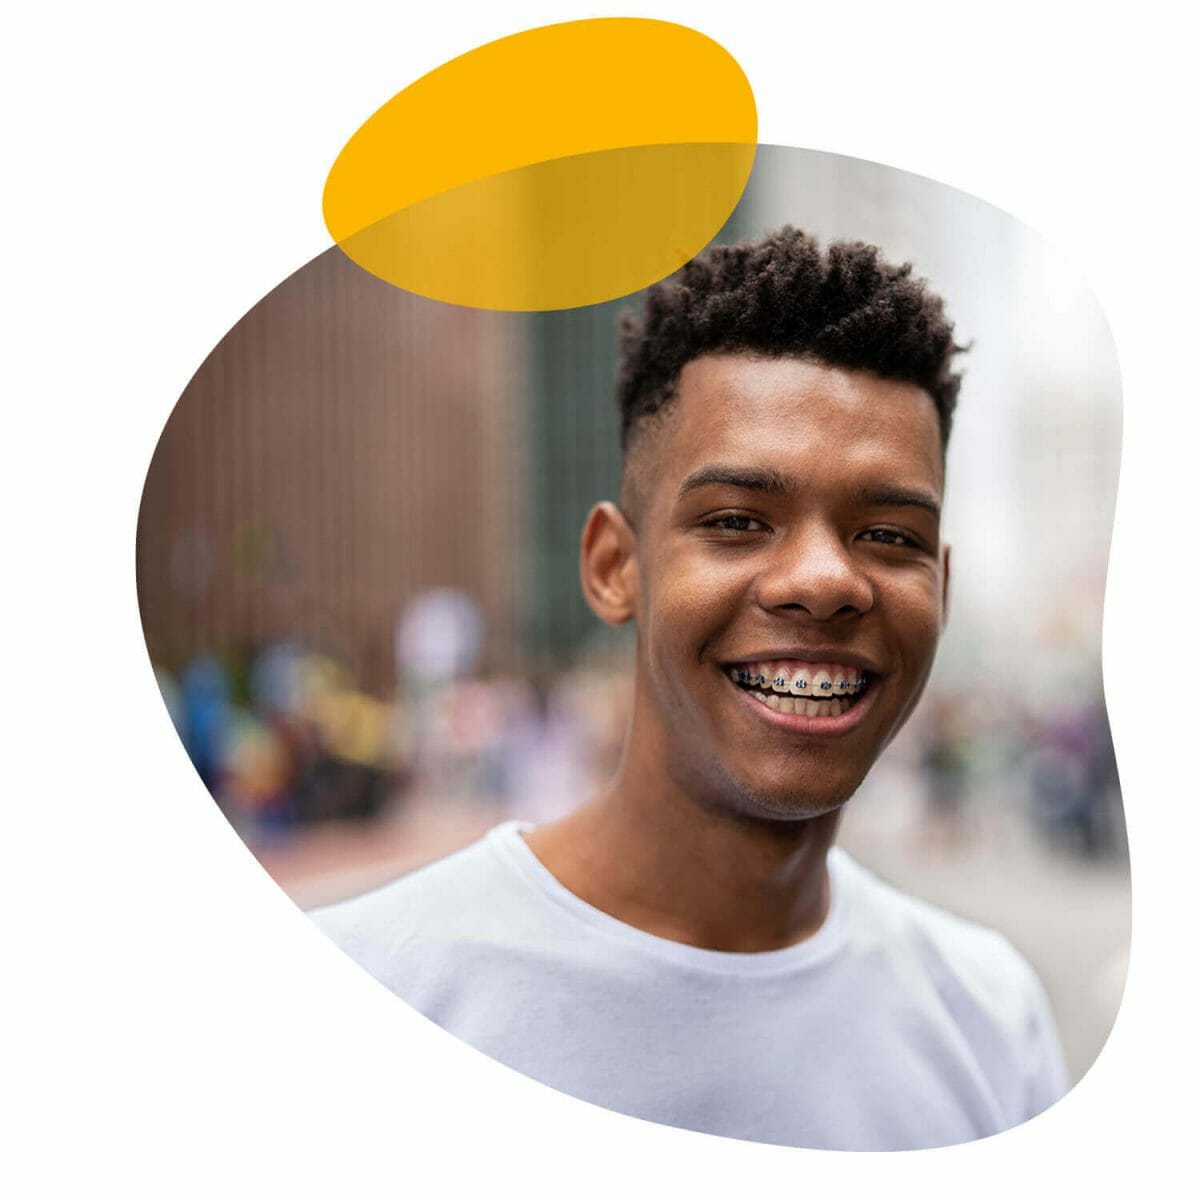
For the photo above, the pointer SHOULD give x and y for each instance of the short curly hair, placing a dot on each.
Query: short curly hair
(844, 306)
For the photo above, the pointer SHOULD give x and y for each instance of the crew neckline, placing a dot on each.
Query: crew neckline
(507, 840)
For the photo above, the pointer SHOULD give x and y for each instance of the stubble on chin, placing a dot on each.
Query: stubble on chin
(717, 792)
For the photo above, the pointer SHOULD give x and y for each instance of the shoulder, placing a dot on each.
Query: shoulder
(439, 901)
(968, 964)
(961, 975)
(450, 938)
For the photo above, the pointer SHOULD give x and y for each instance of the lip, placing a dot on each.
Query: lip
(810, 726)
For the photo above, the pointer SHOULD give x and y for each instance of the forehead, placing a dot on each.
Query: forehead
(810, 420)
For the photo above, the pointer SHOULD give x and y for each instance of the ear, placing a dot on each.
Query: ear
(608, 564)
(945, 585)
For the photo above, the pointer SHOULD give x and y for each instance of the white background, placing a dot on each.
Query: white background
(177, 1028)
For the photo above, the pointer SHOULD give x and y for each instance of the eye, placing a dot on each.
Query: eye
(734, 523)
(890, 537)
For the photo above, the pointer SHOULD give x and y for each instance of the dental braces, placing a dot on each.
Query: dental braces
(842, 686)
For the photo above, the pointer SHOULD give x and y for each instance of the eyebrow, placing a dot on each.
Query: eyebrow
(889, 496)
(774, 483)
(748, 479)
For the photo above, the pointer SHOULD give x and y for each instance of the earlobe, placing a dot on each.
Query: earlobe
(608, 565)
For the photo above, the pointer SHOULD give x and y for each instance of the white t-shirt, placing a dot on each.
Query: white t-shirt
(896, 1026)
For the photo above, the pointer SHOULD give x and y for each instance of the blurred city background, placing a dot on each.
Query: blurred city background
(357, 570)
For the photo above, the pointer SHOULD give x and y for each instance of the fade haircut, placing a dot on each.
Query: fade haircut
(844, 306)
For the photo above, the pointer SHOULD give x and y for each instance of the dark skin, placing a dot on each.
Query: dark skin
(782, 510)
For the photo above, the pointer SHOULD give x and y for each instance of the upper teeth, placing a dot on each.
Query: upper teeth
(813, 679)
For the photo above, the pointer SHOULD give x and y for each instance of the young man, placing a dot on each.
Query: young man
(689, 946)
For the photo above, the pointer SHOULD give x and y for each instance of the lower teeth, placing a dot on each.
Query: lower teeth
(801, 707)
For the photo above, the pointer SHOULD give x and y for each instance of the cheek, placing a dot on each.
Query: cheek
(686, 607)
(915, 614)
(672, 625)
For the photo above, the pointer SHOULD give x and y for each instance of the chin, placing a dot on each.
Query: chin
(794, 808)
(770, 797)
(782, 802)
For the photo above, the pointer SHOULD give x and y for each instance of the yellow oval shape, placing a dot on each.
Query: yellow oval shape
(530, 173)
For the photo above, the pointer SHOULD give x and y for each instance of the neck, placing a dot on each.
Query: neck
(648, 854)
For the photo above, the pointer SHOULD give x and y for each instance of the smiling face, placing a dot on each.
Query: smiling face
(787, 544)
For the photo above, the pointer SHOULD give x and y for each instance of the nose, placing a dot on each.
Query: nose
(814, 571)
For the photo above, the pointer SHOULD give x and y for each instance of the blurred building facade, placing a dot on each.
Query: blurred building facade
(346, 447)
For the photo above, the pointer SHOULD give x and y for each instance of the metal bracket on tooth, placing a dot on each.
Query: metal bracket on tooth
(842, 685)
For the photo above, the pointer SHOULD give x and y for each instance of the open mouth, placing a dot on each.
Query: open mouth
(804, 689)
